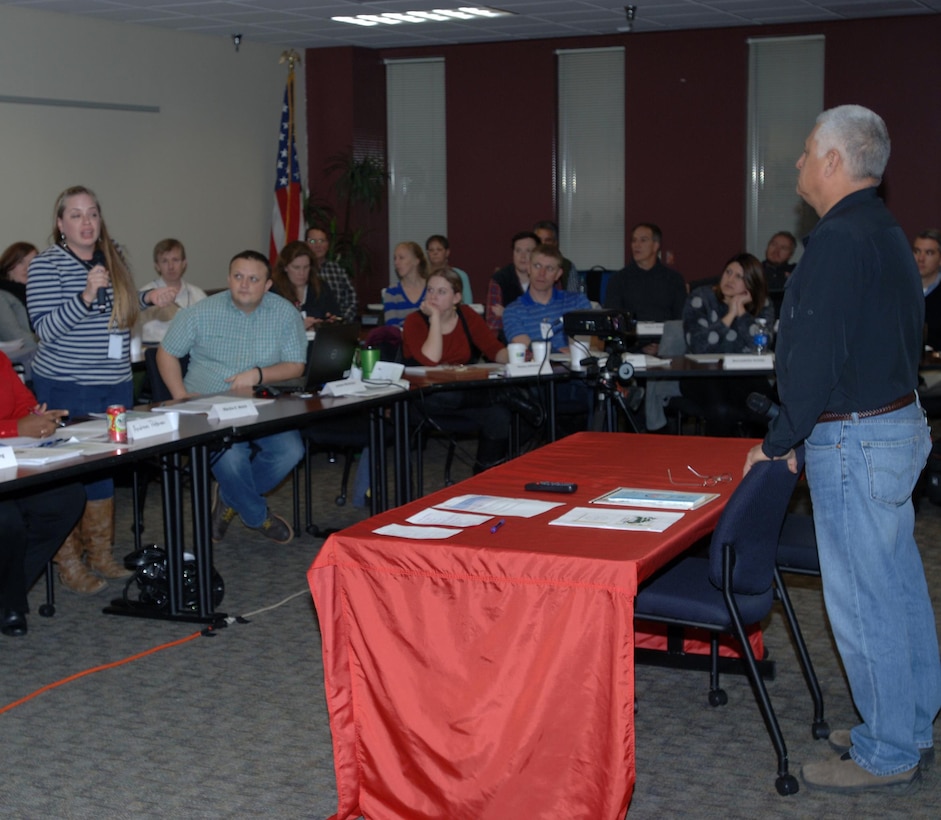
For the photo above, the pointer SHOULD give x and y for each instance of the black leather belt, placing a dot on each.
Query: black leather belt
(898, 404)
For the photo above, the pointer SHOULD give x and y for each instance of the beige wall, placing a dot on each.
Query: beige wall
(201, 169)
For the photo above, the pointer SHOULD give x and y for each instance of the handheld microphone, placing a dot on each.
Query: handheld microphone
(99, 259)
(760, 404)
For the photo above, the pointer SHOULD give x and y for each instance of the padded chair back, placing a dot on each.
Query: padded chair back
(673, 340)
(157, 389)
(751, 523)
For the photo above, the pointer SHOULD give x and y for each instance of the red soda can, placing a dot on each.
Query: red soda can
(117, 423)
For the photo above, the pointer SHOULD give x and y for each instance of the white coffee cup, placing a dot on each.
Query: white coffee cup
(577, 352)
(516, 352)
(174, 418)
(540, 351)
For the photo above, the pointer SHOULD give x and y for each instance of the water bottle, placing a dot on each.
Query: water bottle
(761, 336)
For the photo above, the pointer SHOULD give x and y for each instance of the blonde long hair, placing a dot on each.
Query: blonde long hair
(126, 305)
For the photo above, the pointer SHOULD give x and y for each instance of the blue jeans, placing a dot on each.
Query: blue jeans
(249, 469)
(861, 474)
(80, 400)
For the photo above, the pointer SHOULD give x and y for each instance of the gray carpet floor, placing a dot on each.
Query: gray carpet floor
(235, 725)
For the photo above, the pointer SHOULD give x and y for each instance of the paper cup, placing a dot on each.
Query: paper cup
(540, 351)
(577, 352)
(516, 352)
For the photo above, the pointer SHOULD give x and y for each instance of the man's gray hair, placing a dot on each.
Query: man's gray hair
(859, 135)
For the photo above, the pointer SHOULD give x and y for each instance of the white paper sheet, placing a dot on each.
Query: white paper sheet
(417, 533)
(445, 518)
(607, 519)
(498, 505)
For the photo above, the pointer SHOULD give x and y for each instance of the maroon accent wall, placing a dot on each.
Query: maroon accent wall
(686, 105)
(346, 111)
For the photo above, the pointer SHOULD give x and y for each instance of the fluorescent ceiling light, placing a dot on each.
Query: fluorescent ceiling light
(440, 15)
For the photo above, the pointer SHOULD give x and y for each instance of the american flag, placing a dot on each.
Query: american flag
(287, 218)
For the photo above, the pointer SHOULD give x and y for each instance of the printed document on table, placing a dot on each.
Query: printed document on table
(444, 518)
(499, 505)
(635, 520)
(42, 454)
(418, 533)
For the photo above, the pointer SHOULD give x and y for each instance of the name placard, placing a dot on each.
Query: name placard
(524, 369)
(152, 424)
(7, 458)
(239, 409)
(343, 387)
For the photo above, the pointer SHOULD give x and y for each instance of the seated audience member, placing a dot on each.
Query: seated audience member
(444, 331)
(398, 301)
(537, 314)
(438, 250)
(647, 289)
(34, 523)
(235, 340)
(14, 320)
(543, 304)
(777, 265)
(295, 278)
(170, 264)
(927, 250)
(333, 274)
(510, 282)
(723, 319)
(548, 233)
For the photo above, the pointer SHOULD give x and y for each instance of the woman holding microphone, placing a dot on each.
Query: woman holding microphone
(82, 302)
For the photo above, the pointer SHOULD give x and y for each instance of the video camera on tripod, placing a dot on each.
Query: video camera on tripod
(618, 332)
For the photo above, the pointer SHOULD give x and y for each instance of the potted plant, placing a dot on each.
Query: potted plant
(358, 183)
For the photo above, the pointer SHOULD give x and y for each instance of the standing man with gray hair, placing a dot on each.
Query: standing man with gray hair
(848, 349)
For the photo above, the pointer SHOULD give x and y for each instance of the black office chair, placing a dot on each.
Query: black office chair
(734, 586)
(345, 434)
(797, 553)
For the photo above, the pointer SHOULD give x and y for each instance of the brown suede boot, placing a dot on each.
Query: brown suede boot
(98, 529)
(72, 571)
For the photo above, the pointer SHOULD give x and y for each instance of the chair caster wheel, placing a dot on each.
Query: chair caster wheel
(821, 730)
(787, 784)
(47, 610)
(340, 500)
(718, 697)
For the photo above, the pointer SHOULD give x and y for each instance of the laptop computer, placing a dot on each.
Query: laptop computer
(329, 356)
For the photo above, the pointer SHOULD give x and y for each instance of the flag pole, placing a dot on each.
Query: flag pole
(291, 57)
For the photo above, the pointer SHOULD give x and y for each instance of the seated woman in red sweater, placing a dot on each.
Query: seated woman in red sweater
(444, 331)
(34, 523)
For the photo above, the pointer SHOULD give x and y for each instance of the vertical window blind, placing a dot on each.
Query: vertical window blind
(785, 95)
(417, 153)
(590, 156)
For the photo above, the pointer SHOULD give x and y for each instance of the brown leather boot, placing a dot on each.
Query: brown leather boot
(98, 529)
(72, 571)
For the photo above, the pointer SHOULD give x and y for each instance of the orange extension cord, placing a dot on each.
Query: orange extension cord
(208, 632)
(101, 668)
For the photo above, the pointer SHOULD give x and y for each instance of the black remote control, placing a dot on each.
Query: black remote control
(551, 487)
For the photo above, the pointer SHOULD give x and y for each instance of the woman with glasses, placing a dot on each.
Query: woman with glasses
(333, 274)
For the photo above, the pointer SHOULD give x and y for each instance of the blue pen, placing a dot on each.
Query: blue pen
(497, 526)
(52, 442)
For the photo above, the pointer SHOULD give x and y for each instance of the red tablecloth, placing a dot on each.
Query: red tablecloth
(492, 675)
